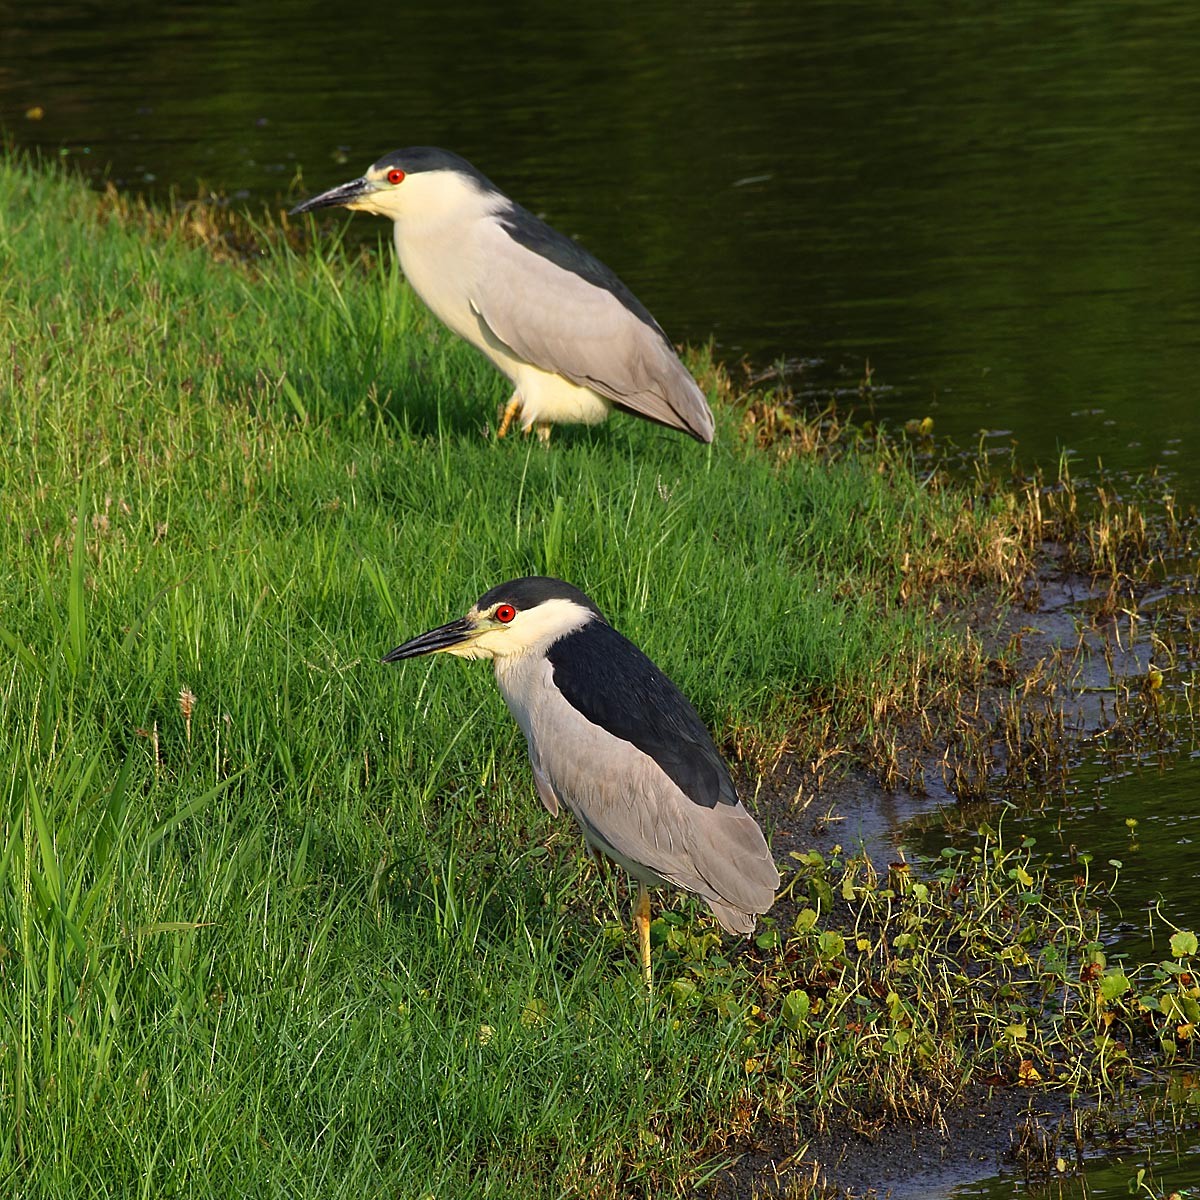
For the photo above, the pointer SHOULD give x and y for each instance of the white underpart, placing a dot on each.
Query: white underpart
(547, 398)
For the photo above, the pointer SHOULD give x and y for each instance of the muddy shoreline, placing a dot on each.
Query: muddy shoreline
(986, 1130)
(976, 1137)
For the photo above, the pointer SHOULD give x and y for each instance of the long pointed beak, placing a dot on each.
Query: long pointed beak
(344, 193)
(454, 633)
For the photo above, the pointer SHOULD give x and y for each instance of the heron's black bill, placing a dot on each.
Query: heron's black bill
(342, 194)
(442, 638)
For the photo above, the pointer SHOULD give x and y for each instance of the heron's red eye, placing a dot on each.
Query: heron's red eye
(505, 613)
(395, 175)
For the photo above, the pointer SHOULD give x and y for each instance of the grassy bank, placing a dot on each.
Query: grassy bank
(276, 919)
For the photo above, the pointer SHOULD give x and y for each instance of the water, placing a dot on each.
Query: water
(1172, 1167)
(994, 207)
(1157, 871)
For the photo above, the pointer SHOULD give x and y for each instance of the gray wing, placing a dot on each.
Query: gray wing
(545, 790)
(630, 808)
(559, 309)
(716, 853)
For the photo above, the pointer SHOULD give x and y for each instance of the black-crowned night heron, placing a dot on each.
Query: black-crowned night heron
(613, 739)
(570, 335)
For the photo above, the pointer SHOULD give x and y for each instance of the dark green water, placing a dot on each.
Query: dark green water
(1167, 1171)
(997, 206)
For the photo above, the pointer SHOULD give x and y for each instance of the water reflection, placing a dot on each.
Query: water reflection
(1170, 1167)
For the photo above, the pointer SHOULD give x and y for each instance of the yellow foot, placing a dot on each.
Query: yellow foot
(641, 921)
(510, 411)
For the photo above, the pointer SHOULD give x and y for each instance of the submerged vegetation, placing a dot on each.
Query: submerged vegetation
(274, 918)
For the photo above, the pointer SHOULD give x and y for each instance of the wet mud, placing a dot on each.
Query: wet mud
(975, 1138)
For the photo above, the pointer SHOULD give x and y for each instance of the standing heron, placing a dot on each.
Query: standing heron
(573, 339)
(615, 741)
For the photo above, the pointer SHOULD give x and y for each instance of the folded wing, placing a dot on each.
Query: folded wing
(562, 310)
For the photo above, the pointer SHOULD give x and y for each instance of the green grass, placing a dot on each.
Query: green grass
(319, 938)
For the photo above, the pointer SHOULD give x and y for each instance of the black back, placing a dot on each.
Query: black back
(614, 685)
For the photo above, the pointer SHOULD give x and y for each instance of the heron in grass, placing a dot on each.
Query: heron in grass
(572, 338)
(612, 739)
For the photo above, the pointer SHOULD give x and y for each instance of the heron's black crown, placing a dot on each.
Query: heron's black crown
(533, 590)
(412, 160)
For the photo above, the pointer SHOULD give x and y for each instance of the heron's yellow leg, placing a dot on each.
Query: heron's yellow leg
(641, 919)
(510, 411)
